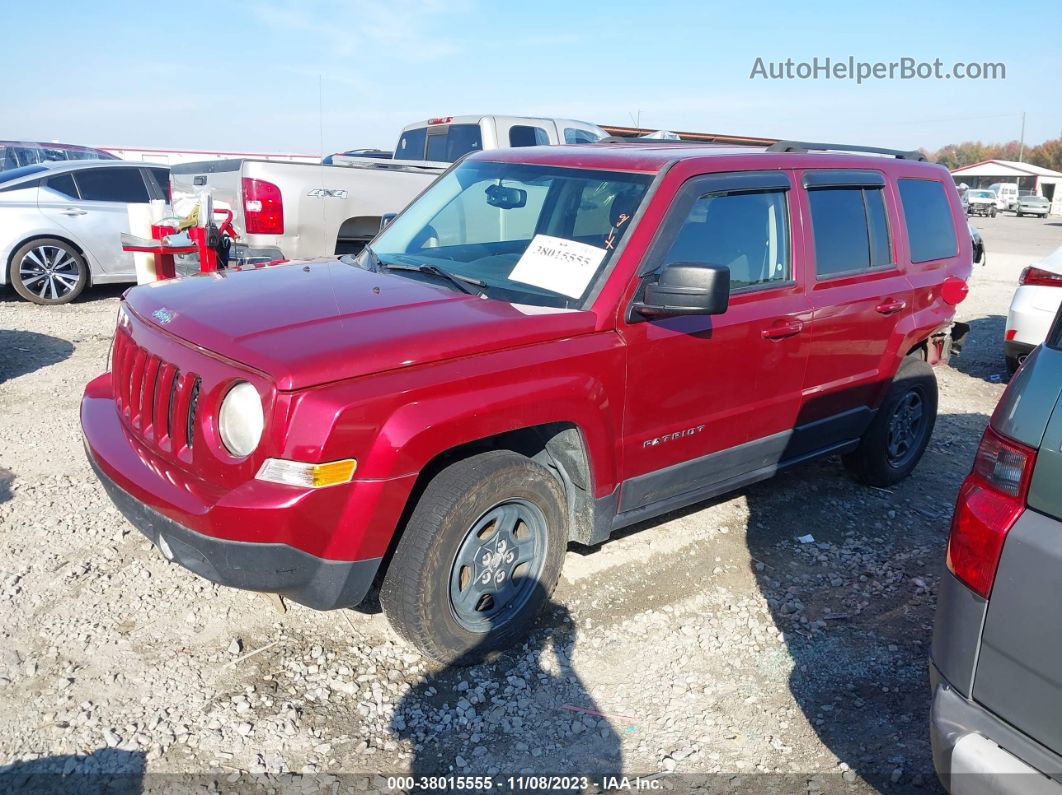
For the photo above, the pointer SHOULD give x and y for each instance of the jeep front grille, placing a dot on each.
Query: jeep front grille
(154, 396)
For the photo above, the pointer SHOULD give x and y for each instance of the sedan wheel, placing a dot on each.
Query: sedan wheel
(48, 272)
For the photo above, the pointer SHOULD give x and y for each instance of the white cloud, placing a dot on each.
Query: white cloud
(400, 30)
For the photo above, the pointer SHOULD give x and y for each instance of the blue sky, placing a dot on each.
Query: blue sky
(246, 76)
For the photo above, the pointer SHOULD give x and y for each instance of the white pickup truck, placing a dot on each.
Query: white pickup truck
(450, 138)
(288, 210)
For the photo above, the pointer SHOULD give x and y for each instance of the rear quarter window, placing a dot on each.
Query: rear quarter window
(927, 215)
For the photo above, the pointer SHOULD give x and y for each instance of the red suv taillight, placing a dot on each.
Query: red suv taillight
(1040, 277)
(990, 501)
(263, 207)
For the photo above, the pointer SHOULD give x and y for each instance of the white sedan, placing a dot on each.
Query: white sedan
(61, 224)
(1033, 308)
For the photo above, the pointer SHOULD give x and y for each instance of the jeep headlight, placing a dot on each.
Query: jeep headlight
(241, 420)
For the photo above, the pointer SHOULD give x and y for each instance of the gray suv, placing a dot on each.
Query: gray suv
(996, 668)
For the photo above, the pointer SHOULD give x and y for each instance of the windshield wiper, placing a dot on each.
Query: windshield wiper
(462, 283)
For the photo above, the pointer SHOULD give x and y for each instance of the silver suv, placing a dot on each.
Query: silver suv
(996, 669)
(61, 224)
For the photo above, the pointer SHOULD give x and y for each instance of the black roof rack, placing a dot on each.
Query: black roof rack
(805, 146)
(623, 139)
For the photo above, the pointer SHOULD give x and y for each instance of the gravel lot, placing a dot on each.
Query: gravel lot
(708, 642)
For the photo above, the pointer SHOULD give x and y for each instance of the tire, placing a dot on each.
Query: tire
(881, 459)
(443, 607)
(992, 213)
(48, 271)
(1013, 363)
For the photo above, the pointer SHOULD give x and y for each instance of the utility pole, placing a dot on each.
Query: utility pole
(1021, 145)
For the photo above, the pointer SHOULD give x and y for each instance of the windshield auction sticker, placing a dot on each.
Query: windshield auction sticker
(560, 265)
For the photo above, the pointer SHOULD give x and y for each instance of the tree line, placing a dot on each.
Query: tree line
(1048, 154)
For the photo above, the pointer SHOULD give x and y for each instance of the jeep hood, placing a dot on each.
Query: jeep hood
(308, 323)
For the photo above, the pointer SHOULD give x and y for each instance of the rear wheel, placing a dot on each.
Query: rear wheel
(478, 559)
(48, 271)
(895, 441)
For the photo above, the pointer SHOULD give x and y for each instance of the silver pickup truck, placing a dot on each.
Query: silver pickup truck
(286, 210)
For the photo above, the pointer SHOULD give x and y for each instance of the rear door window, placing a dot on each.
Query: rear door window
(112, 185)
(411, 145)
(527, 135)
(927, 214)
(851, 230)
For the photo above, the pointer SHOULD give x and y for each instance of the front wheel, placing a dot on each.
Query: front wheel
(478, 559)
(896, 439)
(992, 213)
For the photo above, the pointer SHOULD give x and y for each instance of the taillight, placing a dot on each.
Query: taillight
(1040, 277)
(263, 207)
(990, 501)
(954, 290)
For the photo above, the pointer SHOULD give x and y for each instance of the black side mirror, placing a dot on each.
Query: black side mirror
(686, 288)
(385, 219)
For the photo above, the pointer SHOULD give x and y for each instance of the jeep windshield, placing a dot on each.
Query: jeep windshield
(526, 234)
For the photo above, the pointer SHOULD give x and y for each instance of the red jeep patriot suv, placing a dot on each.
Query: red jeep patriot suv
(549, 344)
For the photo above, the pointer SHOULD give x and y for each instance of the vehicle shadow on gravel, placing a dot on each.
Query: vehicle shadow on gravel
(7, 477)
(982, 351)
(23, 352)
(105, 770)
(98, 293)
(856, 604)
(475, 720)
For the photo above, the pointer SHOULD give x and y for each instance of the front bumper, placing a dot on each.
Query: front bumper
(320, 547)
(975, 753)
(275, 568)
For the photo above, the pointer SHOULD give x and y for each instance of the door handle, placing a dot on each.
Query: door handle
(783, 330)
(891, 307)
(74, 211)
